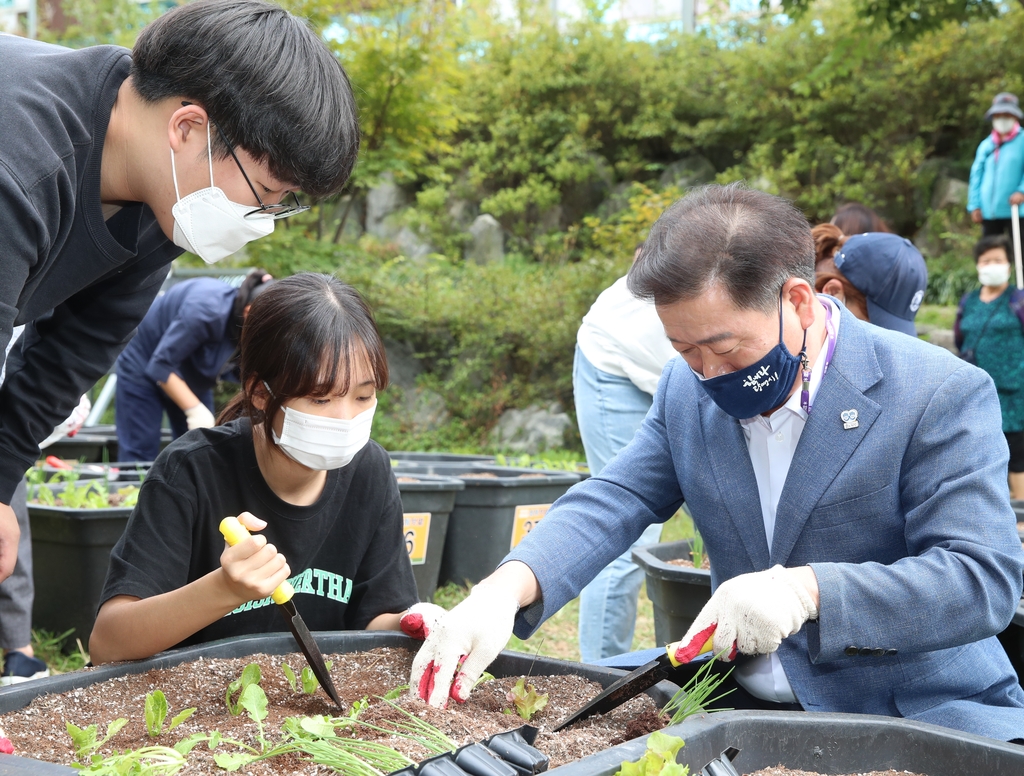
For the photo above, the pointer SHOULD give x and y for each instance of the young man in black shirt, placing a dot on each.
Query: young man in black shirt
(113, 163)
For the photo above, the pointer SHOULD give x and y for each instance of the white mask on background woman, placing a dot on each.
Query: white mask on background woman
(994, 274)
(1003, 124)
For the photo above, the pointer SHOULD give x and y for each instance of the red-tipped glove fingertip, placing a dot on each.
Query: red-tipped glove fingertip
(415, 626)
(6, 747)
(427, 681)
(689, 651)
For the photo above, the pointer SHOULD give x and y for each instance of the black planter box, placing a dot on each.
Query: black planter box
(507, 664)
(498, 507)
(87, 446)
(677, 592)
(427, 502)
(821, 743)
(129, 472)
(70, 554)
(403, 456)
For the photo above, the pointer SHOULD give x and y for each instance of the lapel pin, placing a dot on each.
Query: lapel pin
(849, 418)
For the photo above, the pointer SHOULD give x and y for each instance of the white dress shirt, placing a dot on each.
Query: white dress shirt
(772, 443)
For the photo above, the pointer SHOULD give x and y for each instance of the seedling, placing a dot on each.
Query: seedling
(693, 696)
(156, 714)
(526, 699)
(697, 550)
(659, 759)
(250, 675)
(85, 739)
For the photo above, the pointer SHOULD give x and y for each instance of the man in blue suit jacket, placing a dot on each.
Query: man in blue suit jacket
(852, 497)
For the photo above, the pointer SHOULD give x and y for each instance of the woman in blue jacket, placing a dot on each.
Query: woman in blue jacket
(997, 175)
(182, 347)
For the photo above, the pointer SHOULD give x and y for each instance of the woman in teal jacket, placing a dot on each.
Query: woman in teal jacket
(997, 175)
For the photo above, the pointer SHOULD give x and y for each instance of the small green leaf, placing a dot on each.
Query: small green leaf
(526, 699)
(156, 712)
(232, 762)
(309, 681)
(484, 677)
(395, 693)
(318, 726)
(250, 675)
(84, 739)
(289, 674)
(214, 739)
(664, 744)
(187, 744)
(180, 717)
(254, 701)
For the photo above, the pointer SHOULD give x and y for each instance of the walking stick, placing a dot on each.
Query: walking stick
(1015, 224)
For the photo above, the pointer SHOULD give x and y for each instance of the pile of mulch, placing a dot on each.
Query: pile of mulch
(39, 731)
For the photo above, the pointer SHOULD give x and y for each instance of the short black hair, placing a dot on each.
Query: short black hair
(748, 241)
(988, 243)
(265, 78)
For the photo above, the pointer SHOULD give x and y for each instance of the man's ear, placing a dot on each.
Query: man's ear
(799, 292)
(183, 120)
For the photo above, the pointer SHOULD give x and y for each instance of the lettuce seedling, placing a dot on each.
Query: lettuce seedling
(526, 699)
(659, 759)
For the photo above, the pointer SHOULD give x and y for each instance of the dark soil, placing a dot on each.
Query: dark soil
(780, 770)
(39, 730)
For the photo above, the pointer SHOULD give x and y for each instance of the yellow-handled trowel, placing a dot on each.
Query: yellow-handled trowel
(234, 532)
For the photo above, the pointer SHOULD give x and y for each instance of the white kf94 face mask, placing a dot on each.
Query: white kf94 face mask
(994, 274)
(210, 225)
(323, 443)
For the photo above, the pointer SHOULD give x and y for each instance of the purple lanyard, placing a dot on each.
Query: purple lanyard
(805, 391)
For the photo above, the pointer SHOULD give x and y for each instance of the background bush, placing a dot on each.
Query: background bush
(572, 136)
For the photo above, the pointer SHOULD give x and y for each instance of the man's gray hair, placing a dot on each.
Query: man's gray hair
(748, 241)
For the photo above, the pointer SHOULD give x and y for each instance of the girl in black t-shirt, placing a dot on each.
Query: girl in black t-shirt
(291, 457)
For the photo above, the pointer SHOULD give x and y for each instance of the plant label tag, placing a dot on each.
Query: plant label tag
(417, 529)
(526, 517)
(849, 418)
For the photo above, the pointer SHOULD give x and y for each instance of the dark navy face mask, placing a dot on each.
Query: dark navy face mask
(759, 387)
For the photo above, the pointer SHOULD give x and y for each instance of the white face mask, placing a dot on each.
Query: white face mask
(1003, 124)
(210, 225)
(994, 274)
(323, 443)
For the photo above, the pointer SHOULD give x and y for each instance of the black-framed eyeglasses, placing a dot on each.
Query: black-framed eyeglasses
(278, 211)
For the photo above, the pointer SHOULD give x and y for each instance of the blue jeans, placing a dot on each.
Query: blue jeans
(609, 410)
(139, 407)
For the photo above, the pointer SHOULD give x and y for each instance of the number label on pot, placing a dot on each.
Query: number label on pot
(417, 526)
(527, 516)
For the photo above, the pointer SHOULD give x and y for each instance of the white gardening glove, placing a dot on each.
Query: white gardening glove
(70, 426)
(462, 644)
(199, 417)
(420, 620)
(751, 613)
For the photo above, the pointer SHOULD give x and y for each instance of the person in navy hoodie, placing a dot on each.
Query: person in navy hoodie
(997, 175)
(183, 346)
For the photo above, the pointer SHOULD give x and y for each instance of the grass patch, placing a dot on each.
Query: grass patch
(940, 315)
(49, 647)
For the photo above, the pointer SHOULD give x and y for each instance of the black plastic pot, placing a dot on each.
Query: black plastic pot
(70, 553)
(440, 457)
(677, 592)
(507, 664)
(499, 506)
(118, 471)
(88, 446)
(427, 502)
(820, 743)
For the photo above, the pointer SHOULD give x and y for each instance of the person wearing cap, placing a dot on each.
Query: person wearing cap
(849, 483)
(184, 345)
(880, 277)
(997, 175)
(988, 332)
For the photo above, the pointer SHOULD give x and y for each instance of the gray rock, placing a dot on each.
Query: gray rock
(532, 430)
(488, 245)
(425, 409)
(688, 171)
(462, 212)
(353, 228)
(949, 192)
(403, 366)
(383, 200)
(412, 245)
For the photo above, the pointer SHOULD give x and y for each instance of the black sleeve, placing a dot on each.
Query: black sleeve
(154, 553)
(72, 350)
(384, 582)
